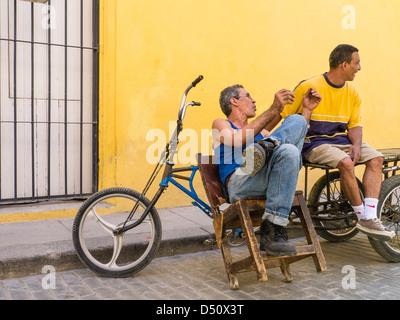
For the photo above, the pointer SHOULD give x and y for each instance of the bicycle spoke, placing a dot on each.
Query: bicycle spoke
(108, 227)
(117, 250)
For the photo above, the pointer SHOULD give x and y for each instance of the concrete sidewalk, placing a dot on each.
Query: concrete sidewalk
(27, 246)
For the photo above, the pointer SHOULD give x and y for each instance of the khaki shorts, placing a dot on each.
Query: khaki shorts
(331, 155)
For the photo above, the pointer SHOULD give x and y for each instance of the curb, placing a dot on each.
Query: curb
(61, 255)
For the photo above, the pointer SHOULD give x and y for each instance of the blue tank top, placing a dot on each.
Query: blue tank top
(229, 158)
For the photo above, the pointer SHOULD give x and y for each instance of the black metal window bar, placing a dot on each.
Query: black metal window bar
(20, 183)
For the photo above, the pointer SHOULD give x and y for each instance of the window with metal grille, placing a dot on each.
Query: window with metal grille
(48, 99)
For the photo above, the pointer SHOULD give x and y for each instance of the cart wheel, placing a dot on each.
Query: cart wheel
(337, 207)
(389, 213)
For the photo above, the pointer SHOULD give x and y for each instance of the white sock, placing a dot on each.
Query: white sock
(359, 210)
(370, 207)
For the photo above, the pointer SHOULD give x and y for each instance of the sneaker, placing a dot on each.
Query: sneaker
(374, 229)
(274, 240)
(254, 159)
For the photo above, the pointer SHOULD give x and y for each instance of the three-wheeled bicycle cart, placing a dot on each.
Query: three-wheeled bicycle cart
(333, 216)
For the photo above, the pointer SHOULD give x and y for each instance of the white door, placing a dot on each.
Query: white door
(47, 99)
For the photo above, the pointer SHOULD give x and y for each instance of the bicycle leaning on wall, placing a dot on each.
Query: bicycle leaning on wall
(125, 221)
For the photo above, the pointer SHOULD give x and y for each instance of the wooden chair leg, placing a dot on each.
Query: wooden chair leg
(220, 235)
(286, 270)
(217, 222)
(226, 255)
(311, 235)
(252, 243)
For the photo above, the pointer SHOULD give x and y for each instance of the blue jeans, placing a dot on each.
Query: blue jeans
(277, 180)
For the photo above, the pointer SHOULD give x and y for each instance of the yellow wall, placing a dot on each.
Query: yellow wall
(152, 49)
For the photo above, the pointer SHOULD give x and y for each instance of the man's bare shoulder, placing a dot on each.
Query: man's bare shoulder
(220, 124)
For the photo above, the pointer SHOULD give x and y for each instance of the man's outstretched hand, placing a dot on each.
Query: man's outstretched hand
(311, 99)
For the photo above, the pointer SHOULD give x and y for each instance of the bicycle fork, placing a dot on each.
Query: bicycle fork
(130, 225)
(163, 186)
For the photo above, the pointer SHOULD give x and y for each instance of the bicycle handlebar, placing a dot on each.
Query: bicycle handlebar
(195, 82)
(183, 107)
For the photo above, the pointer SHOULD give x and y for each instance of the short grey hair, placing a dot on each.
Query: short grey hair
(225, 98)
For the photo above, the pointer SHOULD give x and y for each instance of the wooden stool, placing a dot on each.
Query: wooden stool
(247, 214)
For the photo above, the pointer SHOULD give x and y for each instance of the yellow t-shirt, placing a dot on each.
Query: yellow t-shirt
(338, 111)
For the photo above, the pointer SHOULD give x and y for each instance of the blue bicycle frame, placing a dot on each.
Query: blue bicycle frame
(191, 193)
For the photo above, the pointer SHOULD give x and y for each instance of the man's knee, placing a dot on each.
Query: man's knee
(346, 164)
(298, 118)
(375, 162)
(289, 151)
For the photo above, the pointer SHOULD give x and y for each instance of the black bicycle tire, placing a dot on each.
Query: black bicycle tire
(314, 196)
(382, 247)
(81, 213)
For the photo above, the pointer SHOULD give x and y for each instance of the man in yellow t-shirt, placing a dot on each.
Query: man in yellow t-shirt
(335, 136)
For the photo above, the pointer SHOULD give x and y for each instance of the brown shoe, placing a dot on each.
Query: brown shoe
(374, 229)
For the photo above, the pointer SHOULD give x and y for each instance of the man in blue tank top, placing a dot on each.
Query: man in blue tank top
(271, 161)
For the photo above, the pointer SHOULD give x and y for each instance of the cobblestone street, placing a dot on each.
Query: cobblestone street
(201, 276)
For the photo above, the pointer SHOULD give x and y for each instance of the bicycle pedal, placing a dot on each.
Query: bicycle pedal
(210, 241)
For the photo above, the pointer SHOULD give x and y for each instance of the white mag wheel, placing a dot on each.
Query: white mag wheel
(116, 255)
(389, 213)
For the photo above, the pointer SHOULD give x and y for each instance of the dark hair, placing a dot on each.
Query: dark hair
(342, 53)
(225, 98)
